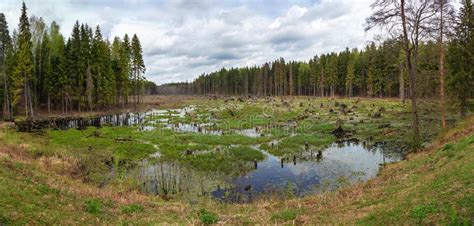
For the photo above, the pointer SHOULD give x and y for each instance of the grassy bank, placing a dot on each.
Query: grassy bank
(432, 186)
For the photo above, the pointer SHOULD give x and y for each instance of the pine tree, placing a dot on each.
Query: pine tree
(126, 68)
(24, 68)
(45, 69)
(115, 55)
(461, 59)
(138, 66)
(350, 77)
(38, 28)
(98, 69)
(59, 87)
(5, 53)
(74, 69)
(84, 64)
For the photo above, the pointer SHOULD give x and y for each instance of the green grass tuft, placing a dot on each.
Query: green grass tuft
(286, 215)
(132, 208)
(94, 206)
(208, 217)
(420, 212)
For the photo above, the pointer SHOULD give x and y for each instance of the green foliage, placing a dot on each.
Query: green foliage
(93, 206)
(208, 217)
(420, 212)
(24, 68)
(460, 59)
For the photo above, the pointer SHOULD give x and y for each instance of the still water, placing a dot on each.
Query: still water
(340, 164)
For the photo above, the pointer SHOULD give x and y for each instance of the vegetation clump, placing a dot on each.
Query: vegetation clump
(208, 217)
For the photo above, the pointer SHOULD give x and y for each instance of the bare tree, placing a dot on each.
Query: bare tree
(442, 28)
(411, 19)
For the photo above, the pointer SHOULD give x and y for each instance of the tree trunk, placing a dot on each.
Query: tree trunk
(7, 111)
(30, 99)
(25, 96)
(402, 83)
(321, 83)
(441, 68)
(412, 74)
(463, 107)
(49, 103)
(63, 103)
(291, 80)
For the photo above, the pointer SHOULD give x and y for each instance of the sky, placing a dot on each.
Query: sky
(182, 39)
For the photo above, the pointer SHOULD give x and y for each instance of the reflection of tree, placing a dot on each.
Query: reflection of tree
(164, 178)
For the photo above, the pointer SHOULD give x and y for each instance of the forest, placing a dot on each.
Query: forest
(43, 71)
(442, 50)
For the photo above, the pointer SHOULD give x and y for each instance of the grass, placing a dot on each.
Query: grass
(132, 208)
(54, 177)
(295, 144)
(93, 206)
(286, 215)
(208, 217)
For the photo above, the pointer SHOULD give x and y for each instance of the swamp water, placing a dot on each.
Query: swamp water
(339, 164)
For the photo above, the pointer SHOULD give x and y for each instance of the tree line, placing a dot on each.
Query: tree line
(411, 62)
(41, 69)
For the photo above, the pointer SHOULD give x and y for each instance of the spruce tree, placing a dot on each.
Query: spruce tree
(45, 72)
(126, 68)
(138, 65)
(5, 52)
(461, 59)
(75, 65)
(350, 77)
(24, 68)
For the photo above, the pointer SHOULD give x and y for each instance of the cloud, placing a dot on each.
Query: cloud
(184, 38)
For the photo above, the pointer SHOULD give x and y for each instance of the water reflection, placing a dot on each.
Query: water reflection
(308, 172)
(302, 174)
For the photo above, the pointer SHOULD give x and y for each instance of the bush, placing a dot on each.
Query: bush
(208, 217)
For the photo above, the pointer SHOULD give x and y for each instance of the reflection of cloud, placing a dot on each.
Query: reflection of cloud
(182, 39)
